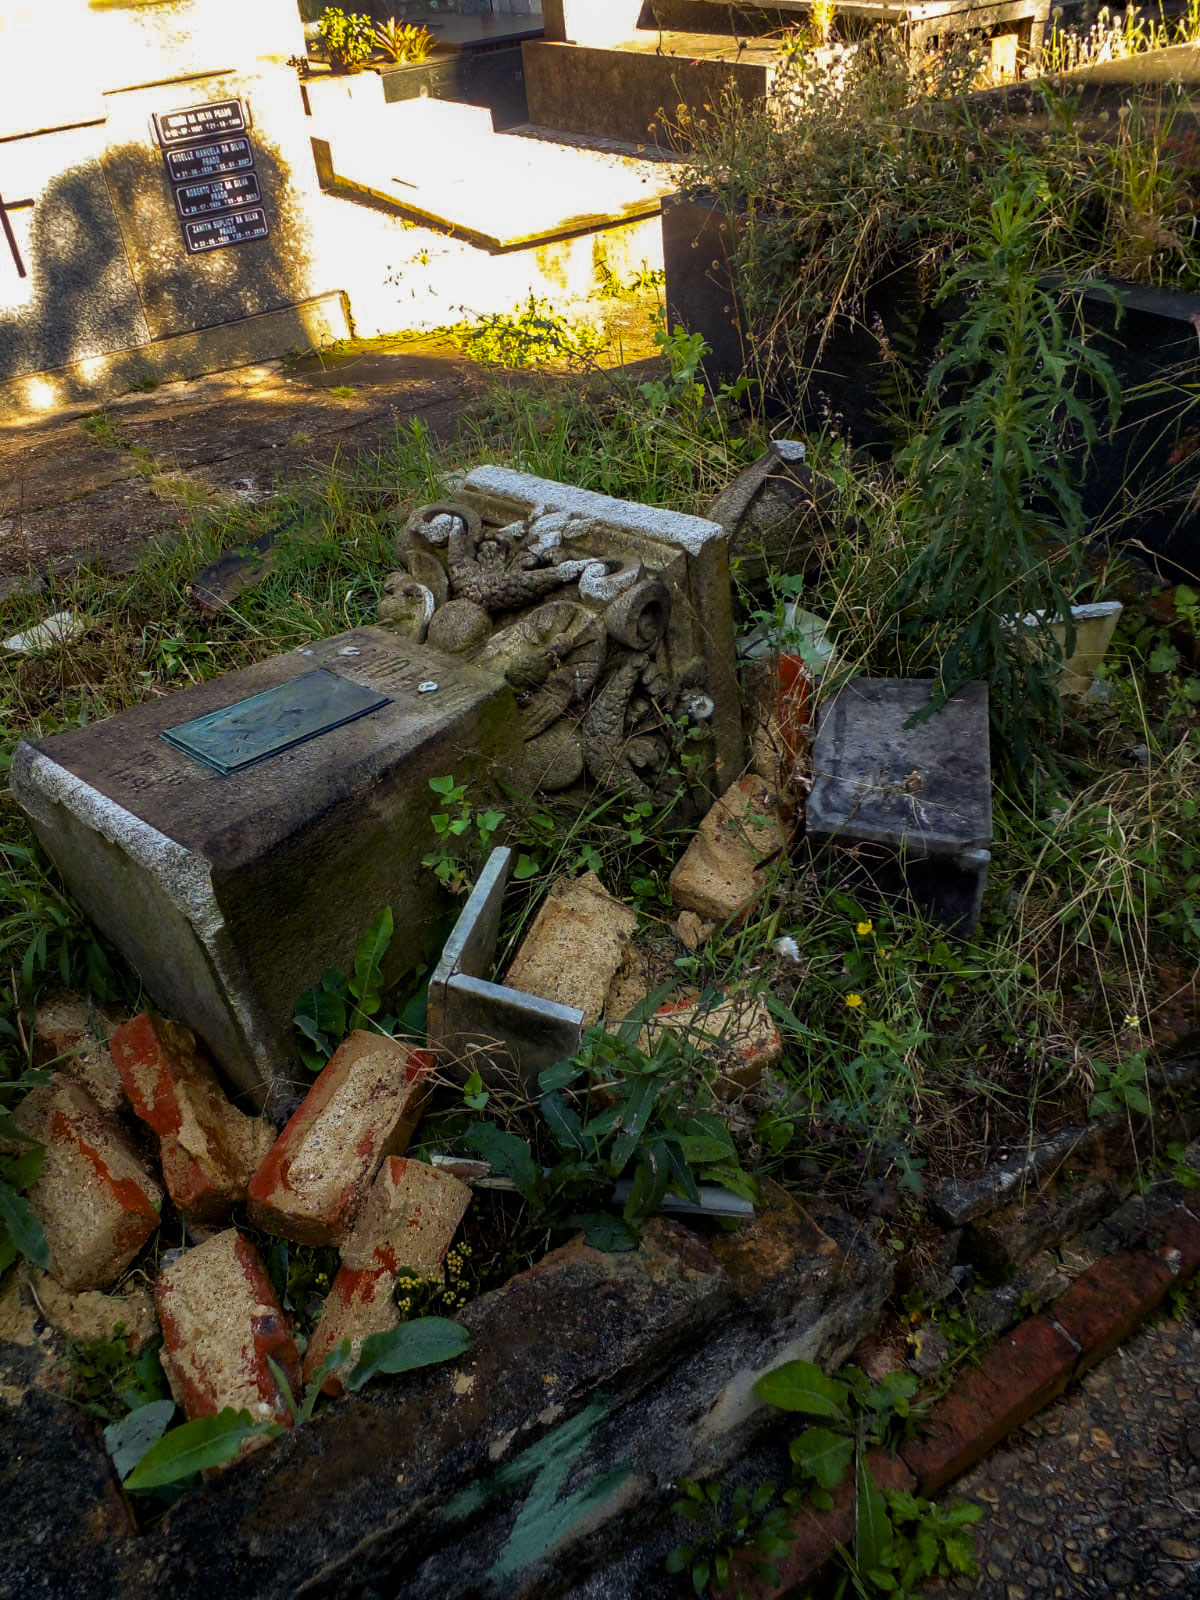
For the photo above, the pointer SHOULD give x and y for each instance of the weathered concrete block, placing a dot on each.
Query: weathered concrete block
(210, 1150)
(404, 1229)
(578, 940)
(231, 893)
(362, 1109)
(71, 1034)
(221, 1322)
(723, 869)
(913, 804)
(94, 1196)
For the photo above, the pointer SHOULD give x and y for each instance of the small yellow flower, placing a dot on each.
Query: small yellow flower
(864, 928)
(854, 1001)
(1132, 1020)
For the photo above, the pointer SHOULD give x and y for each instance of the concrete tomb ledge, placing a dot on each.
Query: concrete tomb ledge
(311, 325)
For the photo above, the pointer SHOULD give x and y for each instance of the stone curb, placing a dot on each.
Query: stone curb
(1029, 1367)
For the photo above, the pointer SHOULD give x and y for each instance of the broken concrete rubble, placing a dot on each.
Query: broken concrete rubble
(362, 1109)
(94, 1196)
(209, 1149)
(723, 869)
(575, 947)
(71, 1034)
(404, 1230)
(221, 1324)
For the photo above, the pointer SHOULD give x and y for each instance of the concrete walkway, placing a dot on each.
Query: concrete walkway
(1098, 1497)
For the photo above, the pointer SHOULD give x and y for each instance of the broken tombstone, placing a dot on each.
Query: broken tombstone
(575, 947)
(724, 868)
(235, 839)
(777, 514)
(900, 812)
(610, 620)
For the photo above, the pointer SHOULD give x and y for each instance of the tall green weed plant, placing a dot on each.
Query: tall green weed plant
(992, 474)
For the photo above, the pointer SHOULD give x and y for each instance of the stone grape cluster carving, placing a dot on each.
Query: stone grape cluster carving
(581, 638)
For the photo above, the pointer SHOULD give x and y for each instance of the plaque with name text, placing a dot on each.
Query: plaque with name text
(216, 194)
(215, 233)
(193, 123)
(276, 720)
(209, 160)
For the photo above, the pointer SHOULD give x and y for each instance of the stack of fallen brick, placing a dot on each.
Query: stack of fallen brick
(334, 1176)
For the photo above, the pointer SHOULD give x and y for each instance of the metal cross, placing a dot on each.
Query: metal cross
(6, 228)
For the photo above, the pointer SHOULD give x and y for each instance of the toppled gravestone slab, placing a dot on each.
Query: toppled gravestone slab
(351, 1499)
(902, 799)
(723, 869)
(230, 887)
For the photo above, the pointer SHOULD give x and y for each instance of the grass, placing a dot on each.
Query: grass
(909, 1055)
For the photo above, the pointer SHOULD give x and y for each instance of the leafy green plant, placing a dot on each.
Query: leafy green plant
(206, 1442)
(1008, 393)
(110, 1380)
(531, 336)
(729, 1525)
(406, 43)
(1120, 1087)
(897, 1538)
(21, 1161)
(614, 1111)
(341, 1002)
(347, 37)
(465, 835)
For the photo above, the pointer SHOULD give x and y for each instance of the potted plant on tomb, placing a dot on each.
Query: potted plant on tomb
(405, 44)
(347, 37)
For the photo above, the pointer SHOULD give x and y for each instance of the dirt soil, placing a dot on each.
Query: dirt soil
(99, 486)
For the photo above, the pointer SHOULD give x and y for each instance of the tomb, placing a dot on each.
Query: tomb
(235, 840)
(155, 188)
(612, 67)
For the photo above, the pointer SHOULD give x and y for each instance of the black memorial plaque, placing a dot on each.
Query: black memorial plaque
(192, 123)
(217, 194)
(209, 160)
(235, 227)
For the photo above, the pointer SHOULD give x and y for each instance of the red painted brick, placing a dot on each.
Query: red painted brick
(404, 1228)
(71, 1034)
(94, 1197)
(362, 1109)
(209, 1149)
(1108, 1301)
(221, 1322)
(816, 1536)
(1017, 1377)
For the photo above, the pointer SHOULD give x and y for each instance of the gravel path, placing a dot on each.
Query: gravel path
(1100, 1494)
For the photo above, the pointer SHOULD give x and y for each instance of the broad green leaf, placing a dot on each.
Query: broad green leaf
(605, 1232)
(634, 1115)
(563, 1123)
(507, 1153)
(128, 1439)
(422, 1343)
(558, 1076)
(701, 1150)
(649, 1185)
(22, 1171)
(526, 867)
(872, 1530)
(823, 1455)
(801, 1386)
(370, 954)
(24, 1229)
(195, 1446)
